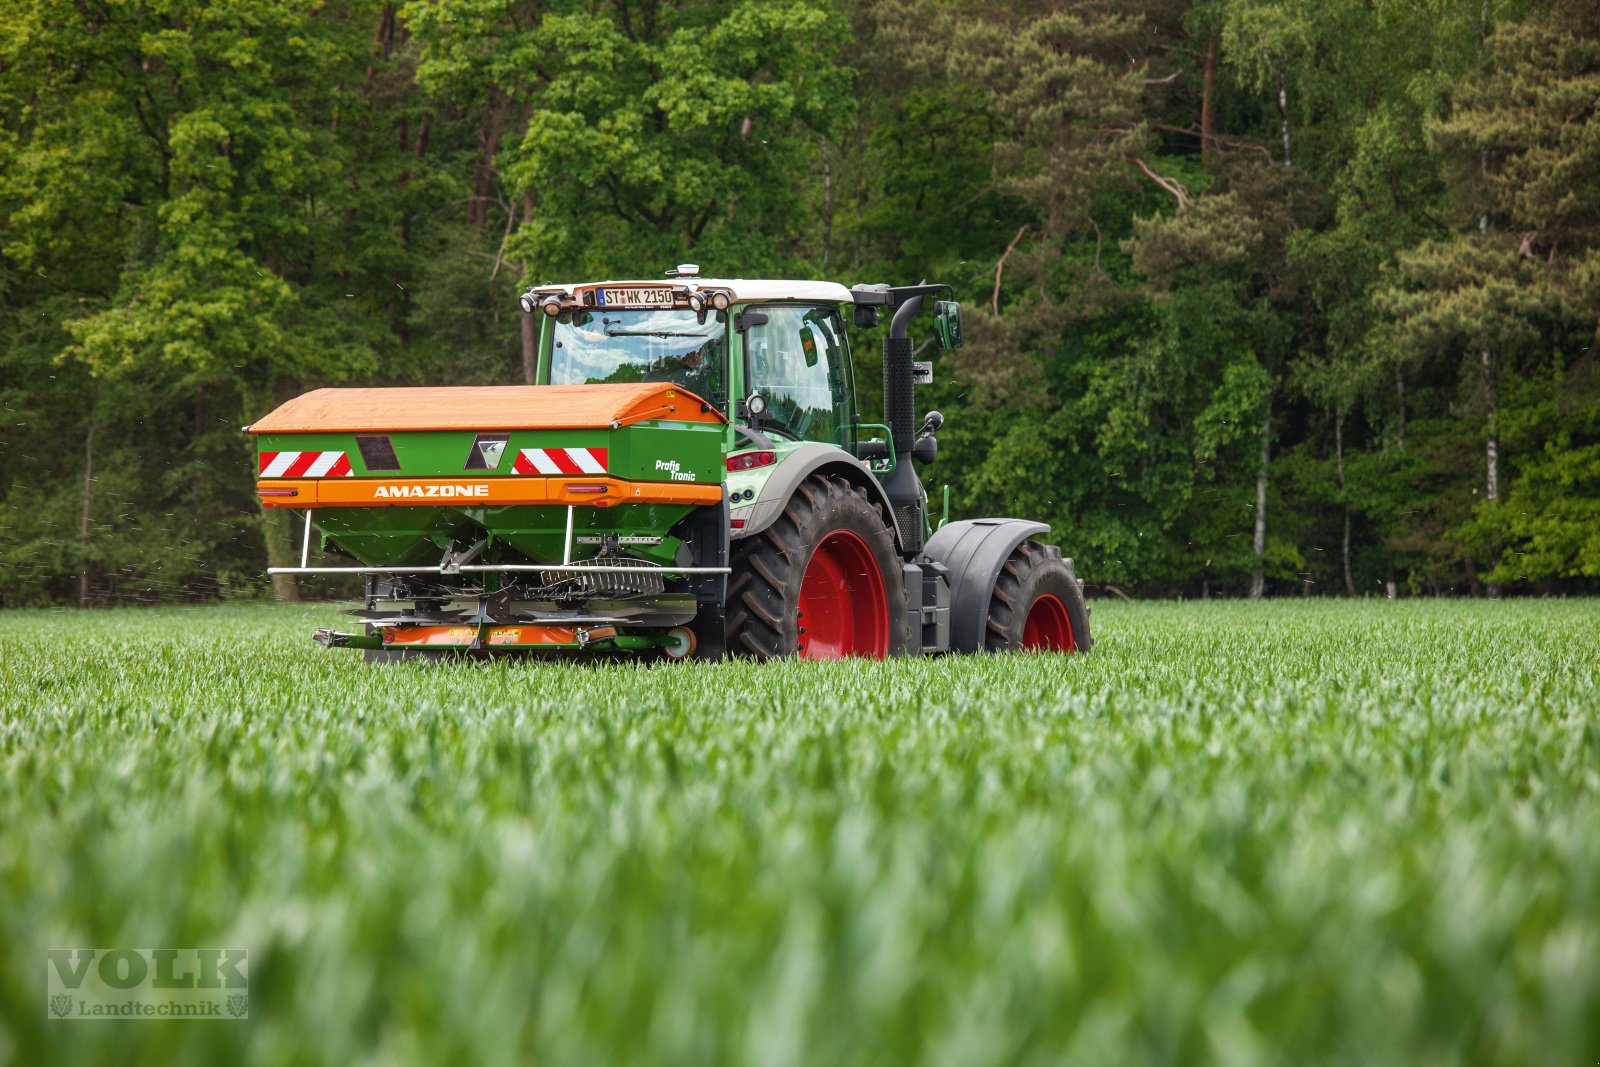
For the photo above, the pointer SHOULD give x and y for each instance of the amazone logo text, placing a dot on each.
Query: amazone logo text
(447, 490)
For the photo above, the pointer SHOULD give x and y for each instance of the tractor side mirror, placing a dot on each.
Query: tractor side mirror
(947, 323)
(808, 344)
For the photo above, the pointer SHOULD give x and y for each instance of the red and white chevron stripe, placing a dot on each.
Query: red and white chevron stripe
(305, 465)
(560, 461)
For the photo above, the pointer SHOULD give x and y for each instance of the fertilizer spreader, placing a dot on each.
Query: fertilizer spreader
(689, 477)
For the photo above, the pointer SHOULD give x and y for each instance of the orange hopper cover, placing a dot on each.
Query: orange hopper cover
(485, 407)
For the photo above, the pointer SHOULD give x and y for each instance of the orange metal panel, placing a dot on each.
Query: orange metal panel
(470, 492)
(496, 635)
(489, 407)
(461, 636)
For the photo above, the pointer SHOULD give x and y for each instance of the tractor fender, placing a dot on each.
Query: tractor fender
(795, 468)
(974, 550)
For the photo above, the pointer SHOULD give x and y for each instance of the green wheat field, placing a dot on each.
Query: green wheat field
(1285, 833)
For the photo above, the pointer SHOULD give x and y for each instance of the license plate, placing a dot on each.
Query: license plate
(634, 298)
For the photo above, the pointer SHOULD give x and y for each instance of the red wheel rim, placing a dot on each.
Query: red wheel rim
(843, 609)
(1048, 627)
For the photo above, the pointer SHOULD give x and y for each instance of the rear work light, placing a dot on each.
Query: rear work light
(749, 461)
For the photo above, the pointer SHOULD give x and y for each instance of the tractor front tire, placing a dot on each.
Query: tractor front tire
(822, 582)
(1037, 604)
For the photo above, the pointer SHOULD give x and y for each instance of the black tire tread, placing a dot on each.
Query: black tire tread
(760, 616)
(1006, 610)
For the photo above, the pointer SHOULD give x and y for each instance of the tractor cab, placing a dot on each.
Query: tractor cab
(771, 356)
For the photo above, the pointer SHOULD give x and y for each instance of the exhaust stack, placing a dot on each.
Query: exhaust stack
(902, 485)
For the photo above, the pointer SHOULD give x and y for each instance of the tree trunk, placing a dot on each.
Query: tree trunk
(1492, 404)
(1258, 543)
(1283, 116)
(1400, 396)
(1491, 488)
(1208, 102)
(855, 257)
(530, 330)
(827, 206)
(488, 146)
(530, 349)
(277, 524)
(277, 528)
(416, 149)
(1349, 581)
(1338, 456)
(83, 524)
(382, 41)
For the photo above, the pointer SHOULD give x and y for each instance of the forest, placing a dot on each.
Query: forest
(1263, 297)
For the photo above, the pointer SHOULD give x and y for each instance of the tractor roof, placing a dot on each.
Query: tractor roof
(743, 289)
(483, 407)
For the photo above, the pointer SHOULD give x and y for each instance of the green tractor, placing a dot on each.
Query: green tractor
(688, 477)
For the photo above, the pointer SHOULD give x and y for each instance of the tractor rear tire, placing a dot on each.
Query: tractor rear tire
(710, 633)
(1037, 604)
(822, 582)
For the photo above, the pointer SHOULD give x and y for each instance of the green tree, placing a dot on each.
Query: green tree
(179, 193)
(1507, 295)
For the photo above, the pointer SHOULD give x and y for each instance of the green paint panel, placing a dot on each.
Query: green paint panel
(654, 451)
(668, 452)
(395, 536)
(418, 535)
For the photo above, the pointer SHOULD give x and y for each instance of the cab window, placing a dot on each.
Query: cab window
(799, 362)
(676, 346)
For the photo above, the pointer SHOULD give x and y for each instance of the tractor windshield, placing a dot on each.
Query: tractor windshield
(592, 347)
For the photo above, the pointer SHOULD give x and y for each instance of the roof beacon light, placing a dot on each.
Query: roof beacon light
(684, 270)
